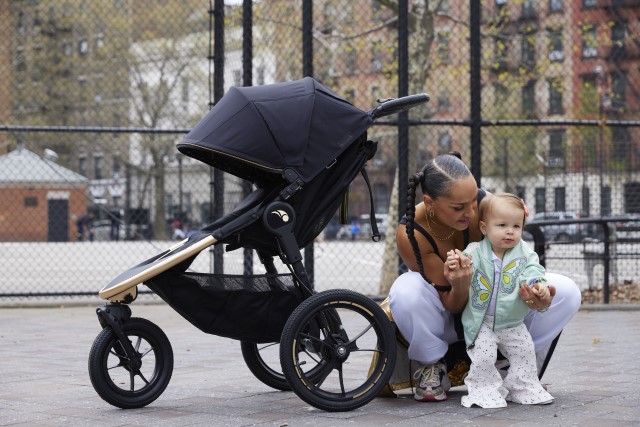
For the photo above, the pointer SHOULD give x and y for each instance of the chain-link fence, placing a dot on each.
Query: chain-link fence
(541, 99)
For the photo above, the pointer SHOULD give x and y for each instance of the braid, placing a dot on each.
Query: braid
(410, 215)
(435, 180)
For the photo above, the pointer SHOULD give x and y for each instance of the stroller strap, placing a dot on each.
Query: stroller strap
(344, 208)
(375, 234)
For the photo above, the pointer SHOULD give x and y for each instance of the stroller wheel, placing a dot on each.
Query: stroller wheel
(263, 360)
(131, 381)
(349, 358)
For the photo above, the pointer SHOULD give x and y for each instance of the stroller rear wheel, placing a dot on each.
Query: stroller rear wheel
(352, 355)
(263, 360)
(131, 380)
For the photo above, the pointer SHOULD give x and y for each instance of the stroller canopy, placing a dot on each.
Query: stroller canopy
(257, 132)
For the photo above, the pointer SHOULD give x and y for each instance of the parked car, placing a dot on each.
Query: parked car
(565, 233)
(629, 230)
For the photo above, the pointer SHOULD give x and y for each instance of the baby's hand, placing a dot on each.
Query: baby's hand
(541, 290)
(453, 260)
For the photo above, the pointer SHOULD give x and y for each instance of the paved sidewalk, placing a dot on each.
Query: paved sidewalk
(594, 377)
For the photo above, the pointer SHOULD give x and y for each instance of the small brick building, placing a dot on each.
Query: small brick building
(39, 199)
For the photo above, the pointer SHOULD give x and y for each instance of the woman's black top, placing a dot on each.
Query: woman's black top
(430, 239)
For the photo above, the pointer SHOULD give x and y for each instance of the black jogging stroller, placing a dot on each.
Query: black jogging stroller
(301, 145)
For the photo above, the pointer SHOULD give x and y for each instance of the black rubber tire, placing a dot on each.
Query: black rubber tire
(106, 363)
(366, 326)
(265, 372)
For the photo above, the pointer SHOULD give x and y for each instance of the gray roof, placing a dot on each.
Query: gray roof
(24, 166)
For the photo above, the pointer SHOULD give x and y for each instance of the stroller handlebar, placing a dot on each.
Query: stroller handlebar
(395, 105)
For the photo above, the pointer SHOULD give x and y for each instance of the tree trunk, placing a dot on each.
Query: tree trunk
(389, 271)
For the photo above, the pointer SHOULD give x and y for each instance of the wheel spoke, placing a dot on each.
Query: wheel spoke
(146, 352)
(351, 345)
(326, 371)
(142, 376)
(341, 378)
(267, 346)
(115, 353)
(138, 341)
(132, 378)
(119, 365)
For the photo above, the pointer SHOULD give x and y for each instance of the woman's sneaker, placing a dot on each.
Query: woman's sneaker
(433, 383)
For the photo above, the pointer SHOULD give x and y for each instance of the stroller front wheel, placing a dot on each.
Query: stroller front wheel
(131, 380)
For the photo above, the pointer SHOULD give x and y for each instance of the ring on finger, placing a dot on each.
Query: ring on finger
(529, 302)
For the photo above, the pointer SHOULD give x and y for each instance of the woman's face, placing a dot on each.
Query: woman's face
(457, 208)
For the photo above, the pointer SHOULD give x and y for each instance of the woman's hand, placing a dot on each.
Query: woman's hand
(537, 299)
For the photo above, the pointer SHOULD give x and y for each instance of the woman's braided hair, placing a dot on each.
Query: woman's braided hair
(435, 179)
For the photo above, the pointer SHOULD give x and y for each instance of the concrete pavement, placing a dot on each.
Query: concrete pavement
(594, 377)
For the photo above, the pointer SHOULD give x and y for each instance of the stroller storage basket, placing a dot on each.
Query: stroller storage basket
(251, 308)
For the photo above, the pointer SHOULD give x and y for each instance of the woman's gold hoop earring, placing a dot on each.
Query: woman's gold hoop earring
(431, 214)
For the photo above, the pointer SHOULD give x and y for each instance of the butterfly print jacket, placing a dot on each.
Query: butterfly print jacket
(520, 264)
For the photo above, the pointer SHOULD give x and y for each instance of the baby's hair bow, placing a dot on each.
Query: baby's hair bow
(524, 206)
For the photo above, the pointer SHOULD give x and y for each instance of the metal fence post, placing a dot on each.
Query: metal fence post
(475, 89)
(307, 70)
(247, 80)
(403, 117)
(217, 176)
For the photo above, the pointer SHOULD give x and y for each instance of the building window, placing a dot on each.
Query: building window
(351, 60)
(556, 149)
(589, 41)
(618, 35)
(30, 202)
(555, 96)
(377, 57)
(444, 101)
(98, 167)
(350, 95)
(559, 201)
(589, 150)
(185, 90)
(586, 201)
(589, 4)
(117, 167)
(541, 197)
(501, 49)
(67, 48)
(605, 201)
(99, 41)
(529, 49)
(529, 99)
(528, 9)
(589, 93)
(260, 75)
(445, 142)
(556, 52)
(83, 47)
(618, 91)
(621, 144)
(82, 166)
(443, 37)
(20, 61)
(443, 7)
(555, 6)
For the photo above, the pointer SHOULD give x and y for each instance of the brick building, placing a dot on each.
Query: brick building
(40, 199)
